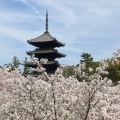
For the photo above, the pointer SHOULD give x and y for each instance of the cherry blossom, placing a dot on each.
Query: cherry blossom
(53, 97)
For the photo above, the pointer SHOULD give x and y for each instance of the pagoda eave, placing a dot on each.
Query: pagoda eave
(48, 55)
(46, 43)
(48, 64)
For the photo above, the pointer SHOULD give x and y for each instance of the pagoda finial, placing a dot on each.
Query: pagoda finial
(46, 21)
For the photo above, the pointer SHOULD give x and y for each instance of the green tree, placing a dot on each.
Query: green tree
(68, 71)
(26, 69)
(15, 63)
(114, 71)
(88, 61)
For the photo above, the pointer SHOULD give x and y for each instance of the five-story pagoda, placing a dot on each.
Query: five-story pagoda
(46, 44)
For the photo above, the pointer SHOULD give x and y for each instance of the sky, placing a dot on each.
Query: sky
(85, 26)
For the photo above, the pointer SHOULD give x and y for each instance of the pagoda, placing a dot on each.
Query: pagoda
(45, 48)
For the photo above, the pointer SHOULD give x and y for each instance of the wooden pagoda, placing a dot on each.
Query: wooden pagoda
(45, 48)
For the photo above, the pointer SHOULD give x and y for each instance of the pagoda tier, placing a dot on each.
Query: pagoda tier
(45, 40)
(50, 66)
(46, 53)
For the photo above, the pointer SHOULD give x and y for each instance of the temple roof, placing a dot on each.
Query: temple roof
(44, 39)
(38, 51)
(49, 63)
(48, 52)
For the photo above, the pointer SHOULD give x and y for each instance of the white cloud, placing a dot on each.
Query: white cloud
(28, 4)
(33, 8)
(21, 35)
(15, 17)
(64, 13)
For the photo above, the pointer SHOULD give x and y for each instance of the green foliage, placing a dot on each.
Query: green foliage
(68, 71)
(26, 69)
(114, 71)
(87, 59)
(89, 63)
(15, 63)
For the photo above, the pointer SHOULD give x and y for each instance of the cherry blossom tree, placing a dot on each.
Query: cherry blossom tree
(57, 98)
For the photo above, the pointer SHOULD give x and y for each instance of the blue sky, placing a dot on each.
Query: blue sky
(90, 26)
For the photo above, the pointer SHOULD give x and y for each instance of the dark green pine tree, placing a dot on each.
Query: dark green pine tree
(26, 69)
(89, 63)
(87, 60)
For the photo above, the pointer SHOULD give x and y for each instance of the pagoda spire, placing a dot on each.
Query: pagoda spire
(46, 21)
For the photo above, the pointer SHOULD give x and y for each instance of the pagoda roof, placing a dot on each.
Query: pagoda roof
(38, 51)
(45, 38)
(49, 63)
(47, 51)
